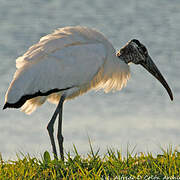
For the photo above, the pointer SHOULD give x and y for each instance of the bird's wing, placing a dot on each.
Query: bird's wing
(72, 66)
(69, 66)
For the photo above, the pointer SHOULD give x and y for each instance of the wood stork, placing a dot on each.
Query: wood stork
(68, 63)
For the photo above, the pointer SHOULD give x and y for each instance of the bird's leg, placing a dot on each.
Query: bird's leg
(59, 134)
(50, 126)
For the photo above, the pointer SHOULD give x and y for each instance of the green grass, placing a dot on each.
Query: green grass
(111, 165)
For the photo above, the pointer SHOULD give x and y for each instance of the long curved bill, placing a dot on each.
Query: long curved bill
(151, 67)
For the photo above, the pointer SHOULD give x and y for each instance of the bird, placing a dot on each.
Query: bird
(69, 62)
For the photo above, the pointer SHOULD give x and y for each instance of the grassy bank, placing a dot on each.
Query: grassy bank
(95, 166)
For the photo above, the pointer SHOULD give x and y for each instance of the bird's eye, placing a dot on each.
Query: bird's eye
(144, 50)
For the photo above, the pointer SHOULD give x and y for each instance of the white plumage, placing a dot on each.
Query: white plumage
(78, 58)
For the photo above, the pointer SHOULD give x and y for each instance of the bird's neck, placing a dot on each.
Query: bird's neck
(123, 57)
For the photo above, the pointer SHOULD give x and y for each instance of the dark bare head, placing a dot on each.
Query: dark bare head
(135, 52)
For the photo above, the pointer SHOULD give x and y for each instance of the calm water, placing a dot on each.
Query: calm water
(141, 114)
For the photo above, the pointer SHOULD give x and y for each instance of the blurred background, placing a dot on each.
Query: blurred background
(141, 115)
